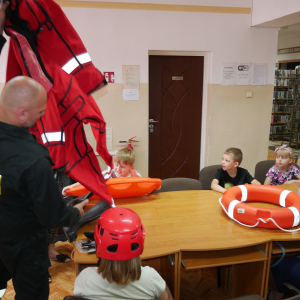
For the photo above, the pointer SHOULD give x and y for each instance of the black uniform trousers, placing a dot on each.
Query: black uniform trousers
(25, 260)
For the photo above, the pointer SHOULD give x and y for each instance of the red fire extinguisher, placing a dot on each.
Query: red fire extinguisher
(129, 142)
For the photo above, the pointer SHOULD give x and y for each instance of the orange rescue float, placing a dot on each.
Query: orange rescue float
(123, 187)
(233, 203)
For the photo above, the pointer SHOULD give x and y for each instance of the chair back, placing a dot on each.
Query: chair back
(262, 168)
(179, 184)
(207, 174)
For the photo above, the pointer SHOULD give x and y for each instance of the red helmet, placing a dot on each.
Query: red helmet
(119, 234)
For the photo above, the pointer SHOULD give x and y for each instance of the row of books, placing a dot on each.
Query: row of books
(279, 108)
(277, 129)
(278, 119)
(288, 82)
(285, 73)
(281, 95)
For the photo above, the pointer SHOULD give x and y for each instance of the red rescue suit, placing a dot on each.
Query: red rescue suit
(45, 47)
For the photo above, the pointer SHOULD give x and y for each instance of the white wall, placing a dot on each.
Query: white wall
(227, 3)
(116, 37)
(288, 41)
(3, 62)
(127, 37)
(275, 13)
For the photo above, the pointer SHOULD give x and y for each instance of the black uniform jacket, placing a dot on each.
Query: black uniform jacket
(2, 42)
(29, 196)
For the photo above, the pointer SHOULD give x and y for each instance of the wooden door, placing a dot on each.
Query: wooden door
(175, 101)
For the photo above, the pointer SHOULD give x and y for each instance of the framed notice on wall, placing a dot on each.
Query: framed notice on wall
(243, 74)
(228, 74)
(131, 82)
(259, 74)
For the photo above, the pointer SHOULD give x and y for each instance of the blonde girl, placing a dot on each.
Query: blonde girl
(284, 170)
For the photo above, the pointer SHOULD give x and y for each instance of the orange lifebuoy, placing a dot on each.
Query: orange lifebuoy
(233, 203)
(123, 187)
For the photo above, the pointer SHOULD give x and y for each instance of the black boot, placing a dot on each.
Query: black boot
(89, 215)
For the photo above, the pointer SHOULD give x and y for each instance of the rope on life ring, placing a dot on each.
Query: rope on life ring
(253, 216)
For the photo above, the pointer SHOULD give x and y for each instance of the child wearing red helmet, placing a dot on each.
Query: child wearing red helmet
(119, 241)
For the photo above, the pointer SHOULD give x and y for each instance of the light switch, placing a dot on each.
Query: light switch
(249, 94)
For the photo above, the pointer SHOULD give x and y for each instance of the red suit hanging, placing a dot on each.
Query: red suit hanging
(45, 47)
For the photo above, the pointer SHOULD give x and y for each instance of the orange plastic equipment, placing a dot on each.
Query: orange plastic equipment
(233, 203)
(123, 187)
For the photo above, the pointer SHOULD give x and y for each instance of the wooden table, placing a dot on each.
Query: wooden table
(160, 248)
(289, 240)
(191, 227)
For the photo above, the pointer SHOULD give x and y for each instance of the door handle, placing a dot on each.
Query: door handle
(151, 121)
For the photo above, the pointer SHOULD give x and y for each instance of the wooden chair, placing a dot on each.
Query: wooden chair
(207, 174)
(179, 184)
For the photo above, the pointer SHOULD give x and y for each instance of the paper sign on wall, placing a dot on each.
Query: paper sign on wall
(259, 74)
(228, 74)
(243, 74)
(131, 82)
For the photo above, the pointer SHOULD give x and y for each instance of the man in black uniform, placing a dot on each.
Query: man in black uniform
(29, 198)
(2, 19)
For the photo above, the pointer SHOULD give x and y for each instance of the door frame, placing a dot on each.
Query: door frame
(207, 78)
(287, 61)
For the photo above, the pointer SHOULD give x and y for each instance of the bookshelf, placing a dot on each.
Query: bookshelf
(281, 104)
(291, 132)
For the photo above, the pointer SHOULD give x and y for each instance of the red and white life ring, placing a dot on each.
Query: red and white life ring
(233, 203)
